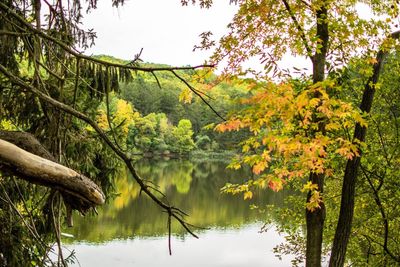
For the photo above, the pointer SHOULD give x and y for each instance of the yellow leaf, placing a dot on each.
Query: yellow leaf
(314, 201)
(234, 165)
(186, 96)
(309, 186)
(248, 195)
(332, 126)
(314, 102)
(245, 148)
(209, 126)
(360, 119)
(372, 60)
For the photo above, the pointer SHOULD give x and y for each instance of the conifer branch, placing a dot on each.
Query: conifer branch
(79, 55)
(128, 162)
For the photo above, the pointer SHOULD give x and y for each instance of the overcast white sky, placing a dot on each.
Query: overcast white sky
(165, 30)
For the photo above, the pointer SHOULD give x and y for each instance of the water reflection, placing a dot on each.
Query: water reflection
(193, 187)
(131, 230)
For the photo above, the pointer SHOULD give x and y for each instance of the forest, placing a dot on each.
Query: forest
(163, 117)
(313, 152)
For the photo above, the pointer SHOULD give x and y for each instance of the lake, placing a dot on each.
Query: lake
(132, 231)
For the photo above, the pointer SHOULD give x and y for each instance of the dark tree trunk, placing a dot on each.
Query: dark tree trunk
(315, 225)
(315, 219)
(343, 228)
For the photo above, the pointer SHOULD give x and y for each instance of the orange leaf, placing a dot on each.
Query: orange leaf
(259, 167)
(275, 185)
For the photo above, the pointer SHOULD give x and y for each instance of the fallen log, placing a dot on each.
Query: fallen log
(27, 142)
(45, 172)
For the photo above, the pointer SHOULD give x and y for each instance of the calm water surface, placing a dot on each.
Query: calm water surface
(131, 231)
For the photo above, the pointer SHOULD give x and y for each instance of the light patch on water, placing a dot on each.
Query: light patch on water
(217, 248)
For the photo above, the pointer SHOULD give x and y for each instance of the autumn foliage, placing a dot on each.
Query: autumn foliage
(286, 142)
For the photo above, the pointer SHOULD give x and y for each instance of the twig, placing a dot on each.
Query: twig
(197, 93)
(382, 211)
(155, 77)
(25, 206)
(169, 231)
(136, 58)
(77, 75)
(57, 231)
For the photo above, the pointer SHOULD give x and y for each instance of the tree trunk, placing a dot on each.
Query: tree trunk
(343, 228)
(315, 219)
(315, 226)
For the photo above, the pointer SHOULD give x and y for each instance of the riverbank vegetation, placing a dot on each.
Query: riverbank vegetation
(161, 117)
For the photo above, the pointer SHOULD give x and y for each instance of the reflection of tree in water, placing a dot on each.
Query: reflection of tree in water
(194, 187)
(182, 177)
(167, 173)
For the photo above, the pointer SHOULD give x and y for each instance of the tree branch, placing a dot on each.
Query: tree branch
(196, 92)
(66, 48)
(63, 107)
(299, 28)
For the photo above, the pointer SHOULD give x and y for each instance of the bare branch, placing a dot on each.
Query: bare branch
(67, 49)
(198, 94)
(299, 28)
(156, 78)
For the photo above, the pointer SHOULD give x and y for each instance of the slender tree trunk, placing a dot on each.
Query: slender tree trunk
(343, 228)
(315, 219)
